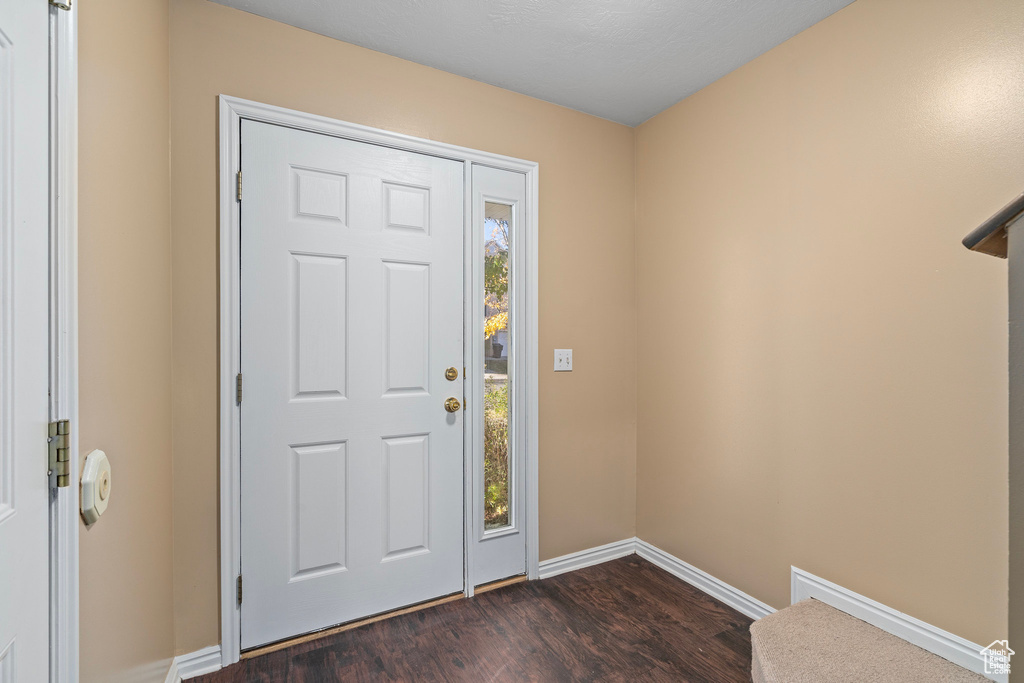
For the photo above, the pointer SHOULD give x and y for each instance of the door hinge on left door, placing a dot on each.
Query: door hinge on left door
(59, 443)
(239, 582)
(61, 5)
(238, 389)
(239, 177)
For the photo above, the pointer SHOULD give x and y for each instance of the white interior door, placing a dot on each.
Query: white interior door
(24, 183)
(352, 299)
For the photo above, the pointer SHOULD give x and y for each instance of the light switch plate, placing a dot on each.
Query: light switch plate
(563, 360)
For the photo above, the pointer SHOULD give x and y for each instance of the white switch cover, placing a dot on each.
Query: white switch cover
(563, 360)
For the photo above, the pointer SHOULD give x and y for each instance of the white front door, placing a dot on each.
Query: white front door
(24, 186)
(352, 297)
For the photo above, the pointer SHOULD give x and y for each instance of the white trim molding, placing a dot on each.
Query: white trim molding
(716, 588)
(197, 663)
(805, 585)
(531, 316)
(230, 361)
(63, 95)
(586, 558)
(232, 111)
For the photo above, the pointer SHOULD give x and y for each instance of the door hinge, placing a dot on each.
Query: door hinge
(239, 178)
(239, 584)
(59, 443)
(66, 5)
(238, 389)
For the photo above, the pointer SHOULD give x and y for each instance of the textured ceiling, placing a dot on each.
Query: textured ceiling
(624, 60)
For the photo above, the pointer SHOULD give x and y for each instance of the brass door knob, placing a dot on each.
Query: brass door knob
(452, 405)
(451, 374)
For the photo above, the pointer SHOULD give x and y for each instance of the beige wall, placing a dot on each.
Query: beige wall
(822, 365)
(587, 431)
(125, 336)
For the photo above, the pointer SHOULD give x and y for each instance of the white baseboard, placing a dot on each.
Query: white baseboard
(931, 638)
(196, 663)
(587, 558)
(716, 588)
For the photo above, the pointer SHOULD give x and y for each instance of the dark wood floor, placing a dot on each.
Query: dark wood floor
(624, 620)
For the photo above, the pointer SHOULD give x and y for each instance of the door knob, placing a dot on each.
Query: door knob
(452, 405)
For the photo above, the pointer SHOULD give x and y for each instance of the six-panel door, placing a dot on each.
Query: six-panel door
(24, 333)
(351, 468)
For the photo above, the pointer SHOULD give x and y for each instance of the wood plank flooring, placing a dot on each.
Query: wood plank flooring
(624, 620)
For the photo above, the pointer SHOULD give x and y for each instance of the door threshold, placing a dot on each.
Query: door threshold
(332, 630)
(500, 583)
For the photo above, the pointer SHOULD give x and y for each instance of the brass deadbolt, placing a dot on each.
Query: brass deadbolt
(451, 374)
(452, 405)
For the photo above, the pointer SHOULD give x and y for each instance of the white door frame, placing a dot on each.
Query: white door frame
(232, 111)
(64, 336)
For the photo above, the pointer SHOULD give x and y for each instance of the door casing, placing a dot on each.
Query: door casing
(232, 111)
(64, 507)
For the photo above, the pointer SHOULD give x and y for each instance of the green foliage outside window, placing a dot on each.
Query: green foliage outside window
(496, 508)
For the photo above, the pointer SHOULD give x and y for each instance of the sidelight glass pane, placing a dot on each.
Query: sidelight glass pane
(498, 219)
